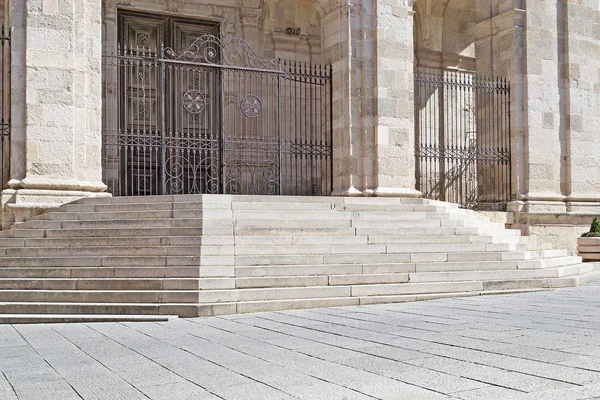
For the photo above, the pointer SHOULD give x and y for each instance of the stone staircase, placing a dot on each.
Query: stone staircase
(203, 255)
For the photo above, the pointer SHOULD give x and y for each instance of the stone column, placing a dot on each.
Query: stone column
(531, 63)
(581, 94)
(370, 46)
(251, 15)
(56, 105)
(394, 99)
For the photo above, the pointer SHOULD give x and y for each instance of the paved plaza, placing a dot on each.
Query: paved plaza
(543, 345)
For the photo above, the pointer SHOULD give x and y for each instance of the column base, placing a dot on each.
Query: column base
(379, 192)
(350, 192)
(396, 192)
(27, 198)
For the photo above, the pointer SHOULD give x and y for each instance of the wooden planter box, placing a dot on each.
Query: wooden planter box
(588, 248)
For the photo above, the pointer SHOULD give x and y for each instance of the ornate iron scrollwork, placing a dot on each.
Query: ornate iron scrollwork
(222, 50)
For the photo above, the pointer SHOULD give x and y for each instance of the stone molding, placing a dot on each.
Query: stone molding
(56, 184)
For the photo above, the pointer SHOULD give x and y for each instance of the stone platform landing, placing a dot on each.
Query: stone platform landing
(216, 254)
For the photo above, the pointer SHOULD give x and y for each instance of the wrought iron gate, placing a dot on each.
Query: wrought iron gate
(462, 144)
(5, 108)
(215, 118)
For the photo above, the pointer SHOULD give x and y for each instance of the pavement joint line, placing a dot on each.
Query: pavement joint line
(223, 366)
(309, 355)
(467, 348)
(354, 350)
(334, 362)
(48, 363)
(149, 359)
(98, 361)
(9, 383)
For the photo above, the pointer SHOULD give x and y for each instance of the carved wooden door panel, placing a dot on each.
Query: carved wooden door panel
(141, 86)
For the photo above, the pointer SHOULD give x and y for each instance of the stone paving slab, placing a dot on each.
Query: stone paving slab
(543, 345)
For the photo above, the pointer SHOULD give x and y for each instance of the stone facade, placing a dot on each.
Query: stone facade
(547, 50)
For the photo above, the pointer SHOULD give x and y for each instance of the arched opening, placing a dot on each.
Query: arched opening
(462, 127)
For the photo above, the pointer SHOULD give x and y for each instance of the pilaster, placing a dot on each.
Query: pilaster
(57, 104)
(370, 47)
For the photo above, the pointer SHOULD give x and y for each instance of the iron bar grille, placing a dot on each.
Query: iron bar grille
(215, 118)
(5, 110)
(462, 143)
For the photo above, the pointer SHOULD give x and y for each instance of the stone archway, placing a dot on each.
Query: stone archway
(444, 34)
(462, 129)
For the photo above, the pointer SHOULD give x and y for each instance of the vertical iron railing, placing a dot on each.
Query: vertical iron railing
(5, 120)
(462, 143)
(215, 119)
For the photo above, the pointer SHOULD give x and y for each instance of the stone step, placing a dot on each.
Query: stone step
(499, 275)
(300, 270)
(381, 258)
(79, 318)
(148, 241)
(289, 240)
(259, 249)
(100, 272)
(385, 208)
(123, 223)
(103, 232)
(126, 284)
(323, 280)
(398, 268)
(105, 261)
(102, 296)
(497, 265)
(182, 310)
(433, 231)
(99, 251)
(292, 231)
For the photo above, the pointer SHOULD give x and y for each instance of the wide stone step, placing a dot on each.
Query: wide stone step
(120, 223)
(385, 208)
(387, 258)
(294, 231)
(148, 241)
(434, 231)
(499, 275)
(103, 232)
(183, 310)
(101, 296)
(101, 272)
(105, 261)
(299, 270)
(324, 280)
(99, 251)
(260, 249)
(80, 318)
(126, 284)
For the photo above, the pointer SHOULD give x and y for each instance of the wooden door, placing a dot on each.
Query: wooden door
(140, 91)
